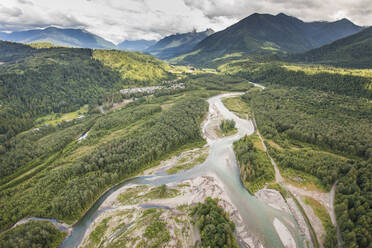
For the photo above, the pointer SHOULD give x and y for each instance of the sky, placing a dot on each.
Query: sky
(118, 20)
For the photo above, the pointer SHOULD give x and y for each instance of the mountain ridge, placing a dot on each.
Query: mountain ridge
(79, 38)
(265, 33)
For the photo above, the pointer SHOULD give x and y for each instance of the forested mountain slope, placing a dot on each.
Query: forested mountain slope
(352, 51)
(264, 33)
(11, 51)
(35, 82)
(174, 45)
(59, 36)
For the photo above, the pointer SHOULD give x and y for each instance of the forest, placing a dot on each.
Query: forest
(216, 229)
(326, 135)
(333, 122)
(33, 147)
(255, 166)
(67, 187)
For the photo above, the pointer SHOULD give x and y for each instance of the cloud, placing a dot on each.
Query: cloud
(10, 12)
(25, 2)
(26, 20)
(358, 11)
(117, 20)
(221, 8)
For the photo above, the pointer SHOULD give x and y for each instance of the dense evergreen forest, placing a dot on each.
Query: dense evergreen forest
(11, 51)
(216, 229)
(32, 234)
(255, 166)
(326, 135)
(33, 147)
(276, 73)
(331, 121)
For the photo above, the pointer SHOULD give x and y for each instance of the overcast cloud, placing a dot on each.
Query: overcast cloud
(117, 20)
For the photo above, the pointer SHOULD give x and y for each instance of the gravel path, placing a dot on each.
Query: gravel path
(332, 194)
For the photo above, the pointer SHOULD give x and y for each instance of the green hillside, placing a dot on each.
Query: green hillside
(352, 51)
(11, 51)
(135, 68)
(36, 82)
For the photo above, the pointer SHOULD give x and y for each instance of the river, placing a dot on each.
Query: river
(257, 216)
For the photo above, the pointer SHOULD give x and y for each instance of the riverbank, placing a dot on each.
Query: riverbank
(284, 234)
(191, 192)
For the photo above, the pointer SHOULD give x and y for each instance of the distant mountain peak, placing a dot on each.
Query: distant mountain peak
(282, 14)
(345, 21)
(176, 44)
(209, 31)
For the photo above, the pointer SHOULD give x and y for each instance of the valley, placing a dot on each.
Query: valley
(256, 135)
(209, 176)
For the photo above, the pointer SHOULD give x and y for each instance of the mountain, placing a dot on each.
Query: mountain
(58, 36)
(136, 45)
(264, 33)
(352, 51)
(174, 45)
(322, 33)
